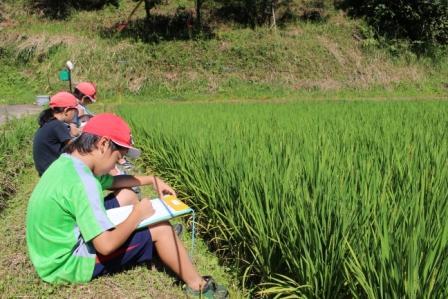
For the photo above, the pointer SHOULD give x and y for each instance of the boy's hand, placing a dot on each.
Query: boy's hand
(74, 131)
(162, 188)
(144, 208)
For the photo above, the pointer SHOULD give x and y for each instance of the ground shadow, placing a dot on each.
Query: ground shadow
(244, 14)
(157, 28)
(235, 12)
(61, 10)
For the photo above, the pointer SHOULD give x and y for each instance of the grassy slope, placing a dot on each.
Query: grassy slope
(18, 278)
(301, 60)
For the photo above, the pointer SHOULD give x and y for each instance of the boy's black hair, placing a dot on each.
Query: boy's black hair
(78, 94)
(48, 114)
(86, 143)
(116, 147)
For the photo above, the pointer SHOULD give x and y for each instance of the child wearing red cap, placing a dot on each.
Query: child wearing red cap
(70, 238)
(55, 130)
(85, 92)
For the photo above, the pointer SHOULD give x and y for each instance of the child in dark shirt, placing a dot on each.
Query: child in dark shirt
(55, 130)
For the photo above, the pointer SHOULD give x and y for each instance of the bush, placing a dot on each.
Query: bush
(423, 22)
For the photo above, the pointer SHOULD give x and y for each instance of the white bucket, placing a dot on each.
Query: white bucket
(42, 100)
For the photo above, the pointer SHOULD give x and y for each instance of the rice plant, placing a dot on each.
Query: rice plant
(313, 199)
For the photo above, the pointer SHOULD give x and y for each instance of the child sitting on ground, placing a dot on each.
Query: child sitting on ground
(55, 130)
(70, 238)
(85, 92)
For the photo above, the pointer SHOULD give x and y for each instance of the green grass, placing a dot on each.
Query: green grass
(299, 60)
(15, 86)
(15, 142)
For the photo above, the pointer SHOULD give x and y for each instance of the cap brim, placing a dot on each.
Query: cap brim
(132, 151)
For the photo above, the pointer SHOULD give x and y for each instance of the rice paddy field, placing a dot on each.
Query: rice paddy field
(345, 199)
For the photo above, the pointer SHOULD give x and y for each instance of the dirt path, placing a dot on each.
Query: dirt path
(16, 111)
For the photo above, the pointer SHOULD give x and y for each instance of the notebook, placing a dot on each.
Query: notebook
(167, 208)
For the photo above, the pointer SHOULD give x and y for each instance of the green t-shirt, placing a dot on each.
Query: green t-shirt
(65, 212)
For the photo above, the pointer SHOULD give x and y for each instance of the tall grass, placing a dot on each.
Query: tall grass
(15, 154)
(313, 200)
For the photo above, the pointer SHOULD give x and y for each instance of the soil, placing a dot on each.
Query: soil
(16, 111)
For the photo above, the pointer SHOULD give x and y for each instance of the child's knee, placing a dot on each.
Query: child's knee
(161, 229)
(126, 197)
(164, 225)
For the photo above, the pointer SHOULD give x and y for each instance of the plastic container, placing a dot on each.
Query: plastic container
(42, 100)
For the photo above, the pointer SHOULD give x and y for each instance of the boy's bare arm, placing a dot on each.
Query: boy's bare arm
(126, 181)
(109, 241)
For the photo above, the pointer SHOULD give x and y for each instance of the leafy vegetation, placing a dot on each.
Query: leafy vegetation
(313, 199)
(424, 23)
(15, 139)
(163, 58)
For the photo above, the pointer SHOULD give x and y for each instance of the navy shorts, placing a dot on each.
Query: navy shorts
(137, 249)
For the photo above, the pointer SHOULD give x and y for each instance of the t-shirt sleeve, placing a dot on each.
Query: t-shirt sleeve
(89, 210)
(62, 131)
(106, 181)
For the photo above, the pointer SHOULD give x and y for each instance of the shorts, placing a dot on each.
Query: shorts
(137, 249)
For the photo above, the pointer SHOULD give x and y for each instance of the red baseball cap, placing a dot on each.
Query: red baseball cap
(63, 99)
(88, 89)
(112, 126)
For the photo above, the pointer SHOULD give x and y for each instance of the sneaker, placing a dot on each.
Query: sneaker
(211, 290)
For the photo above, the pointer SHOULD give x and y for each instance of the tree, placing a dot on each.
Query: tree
(423, 22)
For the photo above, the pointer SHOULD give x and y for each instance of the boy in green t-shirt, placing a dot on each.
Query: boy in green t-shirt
(70, 238)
